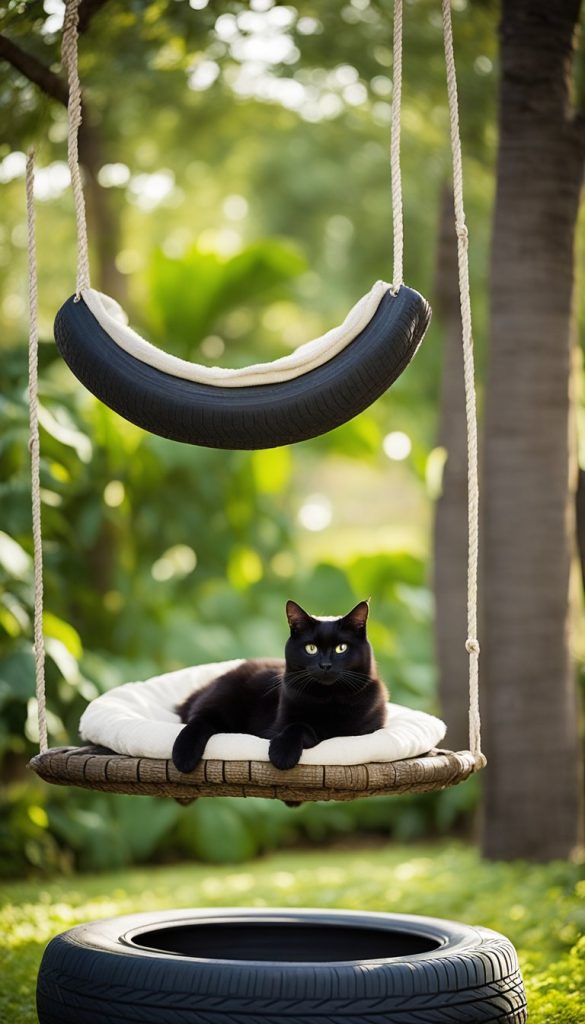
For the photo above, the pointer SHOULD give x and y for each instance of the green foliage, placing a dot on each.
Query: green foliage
(26, 841)
(539, 908)
(112, 833)
(160, 555)
(191, 295)
(216, 834)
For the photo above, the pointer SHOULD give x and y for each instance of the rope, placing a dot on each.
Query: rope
(471, 644)
(397, 212)
(33, 391)
(70, 61)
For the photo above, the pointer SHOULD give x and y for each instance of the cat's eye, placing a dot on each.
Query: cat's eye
(311, 648)
(341, 648)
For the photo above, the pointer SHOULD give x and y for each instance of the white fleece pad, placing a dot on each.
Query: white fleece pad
(139, 719)
(307, 357)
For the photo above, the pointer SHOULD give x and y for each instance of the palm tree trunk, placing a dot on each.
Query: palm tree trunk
(533, 784)
(450, 522)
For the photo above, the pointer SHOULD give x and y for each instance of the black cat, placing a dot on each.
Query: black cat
(326, 686)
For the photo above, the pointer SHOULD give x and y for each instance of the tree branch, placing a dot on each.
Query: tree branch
(37, 72)
(34, 70)
(87, 9)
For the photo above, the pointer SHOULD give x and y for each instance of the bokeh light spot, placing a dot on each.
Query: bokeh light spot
(397, 445)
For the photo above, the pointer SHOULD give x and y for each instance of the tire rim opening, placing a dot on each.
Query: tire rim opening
(283, 941)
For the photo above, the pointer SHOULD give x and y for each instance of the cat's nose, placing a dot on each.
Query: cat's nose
(325, 665)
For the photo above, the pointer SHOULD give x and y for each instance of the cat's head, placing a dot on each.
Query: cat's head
(325, 650)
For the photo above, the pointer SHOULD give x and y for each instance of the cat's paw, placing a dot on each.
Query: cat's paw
(187, 750)
(284, 753)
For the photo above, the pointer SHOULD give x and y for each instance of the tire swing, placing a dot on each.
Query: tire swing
(233, 966)
(321, 385)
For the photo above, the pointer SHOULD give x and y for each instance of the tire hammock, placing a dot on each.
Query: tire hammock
(324, 383)
(320, 386)
(295, 398)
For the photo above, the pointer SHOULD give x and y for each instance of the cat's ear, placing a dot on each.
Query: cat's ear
(297, 617)
(357, 617)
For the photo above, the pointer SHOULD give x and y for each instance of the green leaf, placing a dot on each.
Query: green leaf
(17, 676)
(93, 834)
(213, 831)
(13, 558)
(188, 295)
(55, 627)
(60, 425)
(144, 822)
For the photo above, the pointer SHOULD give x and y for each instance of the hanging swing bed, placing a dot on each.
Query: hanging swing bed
(323, 384)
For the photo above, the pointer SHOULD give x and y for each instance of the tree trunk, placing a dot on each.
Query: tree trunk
(533, 783)
(450, 524)
(103, 221)
(581, 523)
(103, 218)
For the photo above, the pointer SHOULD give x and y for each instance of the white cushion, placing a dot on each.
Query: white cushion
(139, 719)
(307, 357)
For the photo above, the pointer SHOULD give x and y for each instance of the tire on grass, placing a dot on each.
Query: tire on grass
(280, 967)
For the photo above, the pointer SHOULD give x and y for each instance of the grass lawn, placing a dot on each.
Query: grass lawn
(541, 909)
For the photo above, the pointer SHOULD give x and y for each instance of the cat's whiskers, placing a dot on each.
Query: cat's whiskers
(354, 681)
(300, 679)
(274, 686)
(357, 675)
(302, 683)
(299, 673)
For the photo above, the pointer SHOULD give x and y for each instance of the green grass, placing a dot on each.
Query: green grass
(541, 909)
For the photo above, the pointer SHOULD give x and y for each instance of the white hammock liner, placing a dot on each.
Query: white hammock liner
(309, 356)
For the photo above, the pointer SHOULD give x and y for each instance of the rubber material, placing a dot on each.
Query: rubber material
(262, 416)
(102, 972)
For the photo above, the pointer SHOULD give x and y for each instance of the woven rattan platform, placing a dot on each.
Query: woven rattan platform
(96, 768)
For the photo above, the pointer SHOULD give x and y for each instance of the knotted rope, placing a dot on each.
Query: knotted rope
(471, 644)
(33, 392)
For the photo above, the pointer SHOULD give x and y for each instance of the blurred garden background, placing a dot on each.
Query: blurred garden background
(236, 163)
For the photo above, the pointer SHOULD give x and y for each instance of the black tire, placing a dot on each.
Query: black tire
(274, 966)
(262, 416)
